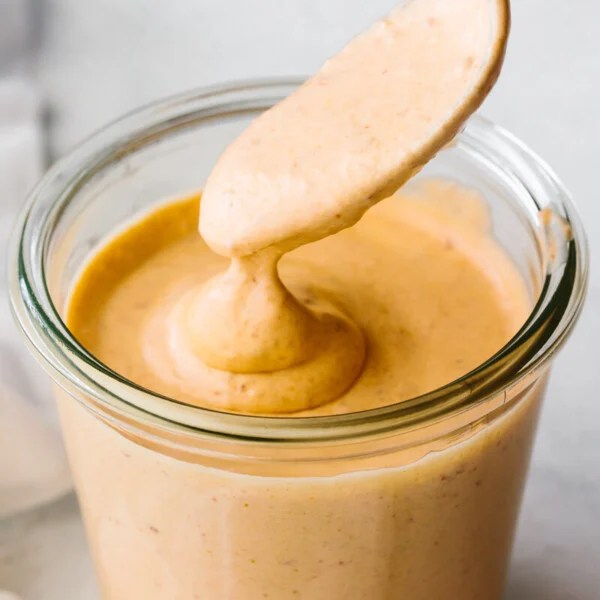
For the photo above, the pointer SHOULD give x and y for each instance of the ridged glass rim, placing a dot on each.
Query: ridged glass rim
(67, 361)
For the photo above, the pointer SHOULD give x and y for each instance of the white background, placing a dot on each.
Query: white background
(98, 58)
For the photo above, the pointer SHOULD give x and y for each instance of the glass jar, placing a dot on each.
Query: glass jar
(415, 500)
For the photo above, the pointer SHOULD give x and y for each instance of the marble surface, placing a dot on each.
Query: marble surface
(99, 58)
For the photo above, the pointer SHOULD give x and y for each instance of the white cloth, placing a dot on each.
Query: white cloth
(33, 468)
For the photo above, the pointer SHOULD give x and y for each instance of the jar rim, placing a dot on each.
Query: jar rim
(546, 329)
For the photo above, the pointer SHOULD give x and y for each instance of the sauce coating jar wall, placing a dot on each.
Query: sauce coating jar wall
(415, 500)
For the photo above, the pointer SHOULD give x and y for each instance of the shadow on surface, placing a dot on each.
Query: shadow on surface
(542, 585)
(43, 554)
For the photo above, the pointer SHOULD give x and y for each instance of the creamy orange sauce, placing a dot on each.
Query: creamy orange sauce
(309, 167)
(421, 277)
